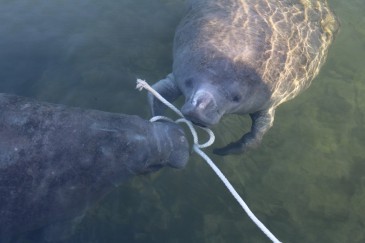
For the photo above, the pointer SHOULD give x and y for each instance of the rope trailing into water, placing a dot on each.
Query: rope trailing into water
(141, 84)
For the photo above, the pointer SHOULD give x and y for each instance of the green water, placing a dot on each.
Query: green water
(306, 182)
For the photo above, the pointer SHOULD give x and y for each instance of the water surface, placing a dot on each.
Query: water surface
(307, 180)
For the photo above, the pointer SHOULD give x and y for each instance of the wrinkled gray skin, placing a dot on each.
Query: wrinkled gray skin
(56, 162)
(245, 57)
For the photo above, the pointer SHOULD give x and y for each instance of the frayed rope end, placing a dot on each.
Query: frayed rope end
(141, 84)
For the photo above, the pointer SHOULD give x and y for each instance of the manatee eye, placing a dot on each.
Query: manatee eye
(236, 98)
(188, 83)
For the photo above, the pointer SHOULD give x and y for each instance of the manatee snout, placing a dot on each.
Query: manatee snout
(201, 109)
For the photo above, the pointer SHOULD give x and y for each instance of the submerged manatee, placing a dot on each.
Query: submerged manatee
(56, 161)
(245, 57)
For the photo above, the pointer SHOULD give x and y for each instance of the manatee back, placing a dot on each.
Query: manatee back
(284, 41)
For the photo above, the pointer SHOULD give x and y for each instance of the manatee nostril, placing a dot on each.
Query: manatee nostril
(203, 101)
(201, 109)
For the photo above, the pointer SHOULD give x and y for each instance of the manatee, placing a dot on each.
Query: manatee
(245, 57)
(57, 161)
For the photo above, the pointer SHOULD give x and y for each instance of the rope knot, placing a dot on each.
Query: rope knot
(141, 84)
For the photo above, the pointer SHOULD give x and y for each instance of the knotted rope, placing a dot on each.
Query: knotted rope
(141, 84)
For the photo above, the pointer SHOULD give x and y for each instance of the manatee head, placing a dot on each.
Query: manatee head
(216, 91)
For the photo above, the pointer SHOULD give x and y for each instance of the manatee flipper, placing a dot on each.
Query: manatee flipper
(261, 123)
(168, 89)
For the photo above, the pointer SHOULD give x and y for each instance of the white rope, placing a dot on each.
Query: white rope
(141, 84)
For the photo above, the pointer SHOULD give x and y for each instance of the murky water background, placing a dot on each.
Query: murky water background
(307, 180)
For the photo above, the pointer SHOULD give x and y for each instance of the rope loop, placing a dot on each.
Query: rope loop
(141, 84)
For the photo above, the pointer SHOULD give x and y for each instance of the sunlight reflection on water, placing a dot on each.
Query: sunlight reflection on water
(306, 182)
